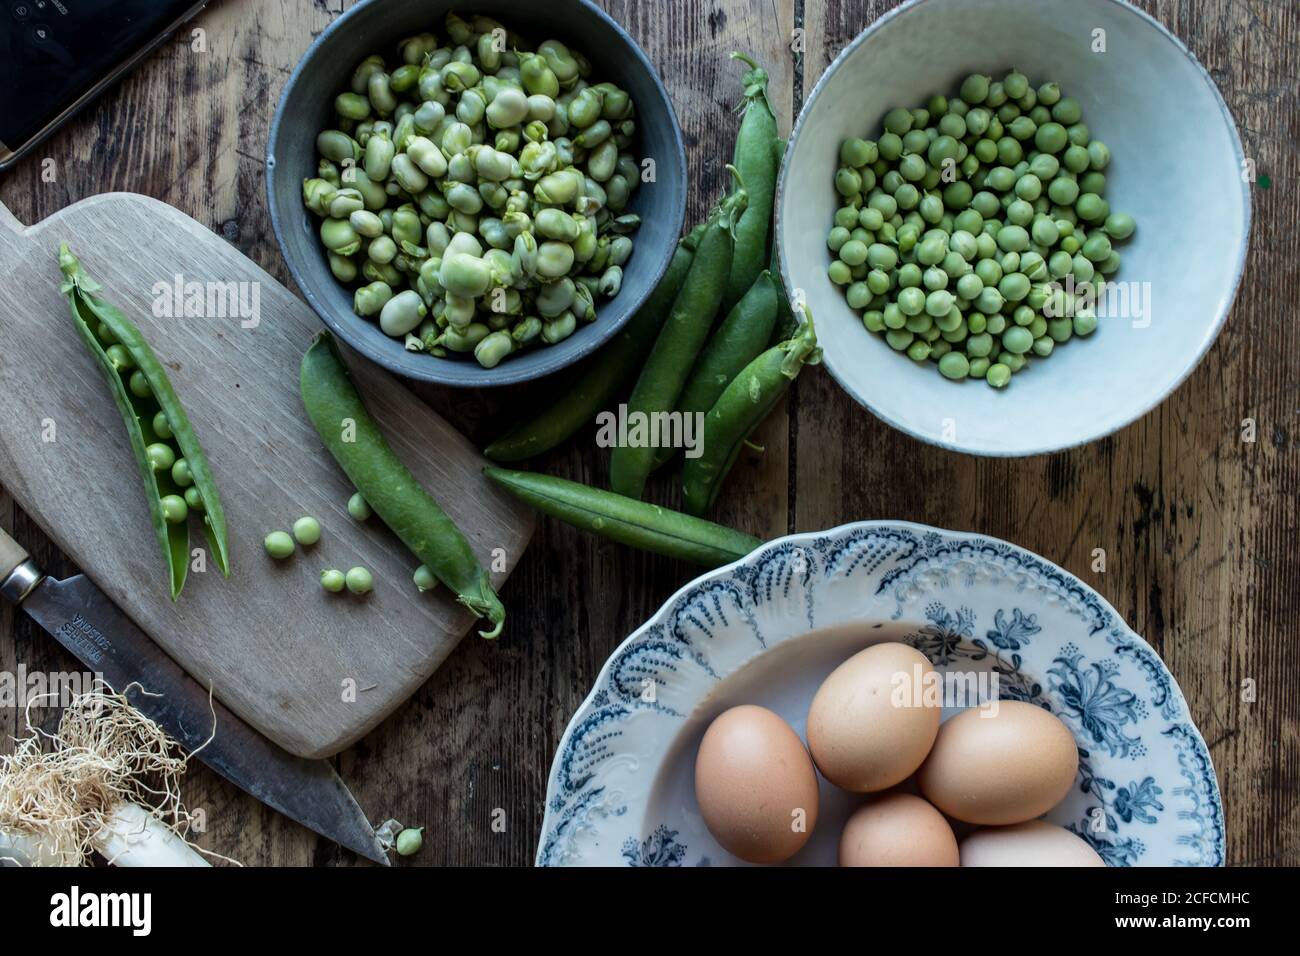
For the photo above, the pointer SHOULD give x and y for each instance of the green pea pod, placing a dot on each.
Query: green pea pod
(743, 334)
(626, 520)
(739, 410)
(102, 327)
(786, 323)
(660, 384)
(604, 375)
(754, 158)
(387, 486)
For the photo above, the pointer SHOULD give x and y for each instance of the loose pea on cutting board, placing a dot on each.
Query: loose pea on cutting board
(312, 670)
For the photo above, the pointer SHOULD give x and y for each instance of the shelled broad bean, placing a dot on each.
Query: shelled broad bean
(973, 232)
(475, 193)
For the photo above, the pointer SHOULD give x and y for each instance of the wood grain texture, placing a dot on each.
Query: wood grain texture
(313, 673)
(1199, 527)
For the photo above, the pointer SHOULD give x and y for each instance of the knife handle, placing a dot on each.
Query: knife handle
(18, 575)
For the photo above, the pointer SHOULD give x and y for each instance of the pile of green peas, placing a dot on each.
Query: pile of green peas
(163, 455)
(970, 228)
(476, 193)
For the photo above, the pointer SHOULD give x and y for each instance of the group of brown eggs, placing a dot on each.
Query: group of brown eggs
(874, 727)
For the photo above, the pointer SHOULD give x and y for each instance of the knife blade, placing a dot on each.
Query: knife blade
(78, 615)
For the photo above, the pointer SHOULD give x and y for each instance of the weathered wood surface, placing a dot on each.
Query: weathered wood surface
(1199, 526)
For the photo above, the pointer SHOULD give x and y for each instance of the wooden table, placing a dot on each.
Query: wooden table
(1199, 526)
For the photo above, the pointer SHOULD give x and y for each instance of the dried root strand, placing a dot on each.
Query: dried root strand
(105, 753)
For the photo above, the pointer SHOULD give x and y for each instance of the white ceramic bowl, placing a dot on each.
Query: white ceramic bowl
(1177, 167)
(767, 630)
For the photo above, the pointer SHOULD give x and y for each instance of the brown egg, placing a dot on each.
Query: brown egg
(869, 726)
(1010, 766)
(897, 829)
(1036, 843)
(756, 785)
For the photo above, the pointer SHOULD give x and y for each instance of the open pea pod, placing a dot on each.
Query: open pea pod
(156, 424)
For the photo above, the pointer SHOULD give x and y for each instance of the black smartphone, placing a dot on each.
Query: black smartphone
(58, 55)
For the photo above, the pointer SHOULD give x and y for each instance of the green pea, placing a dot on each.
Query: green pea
(1062, 191)
(854, 252)
(954, 366)
(870, 219)
(120, 358)
(953, 125)
(161, 427)
(181, 474)
(306, 530)
(989, 301)
(1022, 128)
(890, 146)
(919, 324)
(1014, 287)
(139, 385)
(998, 375)
(1084, 322)
(194, 500)
(359, 580)
(1091, 207)
(278, 545)
(1044, 232)
(1013, 239)
(1097, 247)
(975, 89)
(969, 287)
(858, 152)
(1020, 212)
(898, 121)
(1092, 182)
(957, 195)
(161, 456)
(358, 508)
(899, 339)
(911, 301)
(1067, 111)
(979, 345)
(1120, 225)
(332, 580)
(939, 303)
(409, 842)
(881, 256)
(174, 509)
(1060, 329)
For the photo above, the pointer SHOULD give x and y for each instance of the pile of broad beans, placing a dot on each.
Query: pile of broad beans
(475, 192)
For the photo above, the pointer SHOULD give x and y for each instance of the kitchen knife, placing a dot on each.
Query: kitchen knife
(78, 615)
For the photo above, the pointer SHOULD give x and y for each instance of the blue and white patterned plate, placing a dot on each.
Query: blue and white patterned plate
(769, 628)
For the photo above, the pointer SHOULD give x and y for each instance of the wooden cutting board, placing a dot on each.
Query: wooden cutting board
(313, 671)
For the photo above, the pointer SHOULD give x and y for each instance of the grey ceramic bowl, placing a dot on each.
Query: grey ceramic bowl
(1177, 168)
(306, 107)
